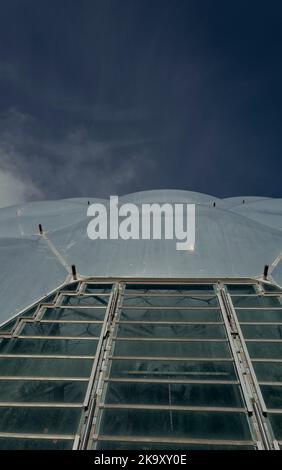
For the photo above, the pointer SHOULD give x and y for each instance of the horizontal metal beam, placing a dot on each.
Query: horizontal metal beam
(42, 378)
(275, 384)
(171, 381)
(266, 309)
(172, 322)
(172, 340)
(166, 307)
(260, 340)
(171, 358)
(265, 359)
(169, 295)
(217, 409)
(75, 322)
(45, 356)
(17, 435)
(172, 440)
(13, 404)
(77, 307)
(61, 338)
(261, 323)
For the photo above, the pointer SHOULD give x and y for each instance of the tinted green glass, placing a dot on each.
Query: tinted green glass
(245, 315)
(271, 288)
(185, 315)
(49, 299)
(95, 300)
(195, 370)
(261, 302)
(169, 301)
(42, 391)
(244, 289)
(70, 314)
(41, 367)
(262, 331)
(276, 423)
(169, 289)
(98, 288)
(44, 346)
(171, 394)
(268, 371)
(61, 329)
(27, 314)
(272, 395)
(171, 331)
(185, 424)
(9, 443)
(174, 349)
(8, 326)
(70, 287)
(265, 350)
(39, 420)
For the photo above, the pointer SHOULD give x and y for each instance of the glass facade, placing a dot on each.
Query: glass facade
(145, 365)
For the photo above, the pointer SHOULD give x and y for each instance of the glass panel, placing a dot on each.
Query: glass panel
(244, 289)
(31, 311)
(39, 420)
(186, 424)
(61, 329)
(171, 394)
(271, 288)
(41, 391)
(10, 443)
(70, 287)
(191, 315)
(27, 314)
(96, 300)
(98, 288)
(245, 315)
(119, 445)
(44, 346)
(262, 302)
(173, 370)
(262, 331)
(169, 301)
(174, 349)
(276, 423)
(49, 299)
(265, 350)
(171, 331)
(40, 367)
(8, 326)
(272, 395)
(169, 289)
(74, 314)
(268, 371)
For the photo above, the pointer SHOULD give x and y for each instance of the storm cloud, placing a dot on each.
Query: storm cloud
(110, 97)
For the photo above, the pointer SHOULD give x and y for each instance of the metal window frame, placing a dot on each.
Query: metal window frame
(172, 381)
(38, 378)
(172, 440)
(173, 358)
(95, 381)
(16, 435)
(153, 407)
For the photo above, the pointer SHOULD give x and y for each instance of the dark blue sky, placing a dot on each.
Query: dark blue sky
(115, 96)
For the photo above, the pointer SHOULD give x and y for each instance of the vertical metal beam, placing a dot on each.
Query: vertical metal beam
(251, 390)
(246, 354)
(90, 400)
(240, 369)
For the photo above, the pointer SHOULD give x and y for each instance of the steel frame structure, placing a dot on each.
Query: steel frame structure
(93, 403)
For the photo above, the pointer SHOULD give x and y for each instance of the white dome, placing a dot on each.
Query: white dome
(233, 239)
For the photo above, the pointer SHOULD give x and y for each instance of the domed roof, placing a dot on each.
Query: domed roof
(235, 237)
